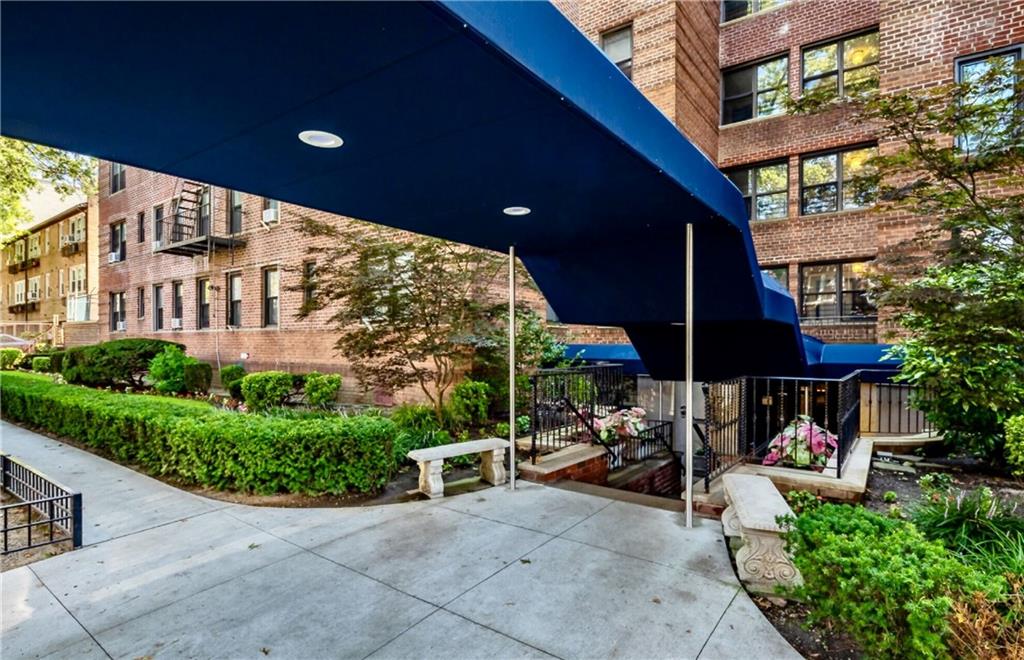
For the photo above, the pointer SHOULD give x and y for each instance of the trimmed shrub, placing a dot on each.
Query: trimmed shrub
(881, 580)
(417, 428)
(200, 444)
(41, 364)
(198, 376)
(231, 379)
(9, 358)
(1015, 444)
(469, 402)
(122, 361)
(167, 370)
(56, 361)
(264, 390)
(322, 389)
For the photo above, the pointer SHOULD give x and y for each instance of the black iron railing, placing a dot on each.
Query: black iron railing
(53, 513)
(565, 401)
(655, 439)
(888, 408)
(747, 419)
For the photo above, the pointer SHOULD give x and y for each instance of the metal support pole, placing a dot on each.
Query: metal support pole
(512, 366)
(689, 375)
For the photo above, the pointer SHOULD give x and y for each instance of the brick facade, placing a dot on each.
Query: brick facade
(918, 44)
(39, 266)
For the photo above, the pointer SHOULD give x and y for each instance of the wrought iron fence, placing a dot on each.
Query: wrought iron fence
(888, 409)
(52, 510)
(565, 401)
(745, 416)
(656, 438)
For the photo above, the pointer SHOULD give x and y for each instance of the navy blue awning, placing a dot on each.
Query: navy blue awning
(450, 112)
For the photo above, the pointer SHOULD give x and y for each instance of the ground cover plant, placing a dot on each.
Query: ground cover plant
(200, 444)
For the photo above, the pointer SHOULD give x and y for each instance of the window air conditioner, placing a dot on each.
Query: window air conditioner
(270, 216)
(157, 245)
(113, 257)
(122, 326)
(175, 324)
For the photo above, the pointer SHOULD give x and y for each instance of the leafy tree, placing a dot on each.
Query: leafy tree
(25, 166)
(955, 154)
(409, 309)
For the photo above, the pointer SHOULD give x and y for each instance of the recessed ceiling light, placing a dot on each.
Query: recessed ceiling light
(516, 210)
(321, 139)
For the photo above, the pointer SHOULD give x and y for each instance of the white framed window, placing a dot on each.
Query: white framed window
(33, 246)
(19, 292)
(47, 287)
(19, 251)
(77, 274)
(33, 288)
(60, 282)
(77, 229)
(46, 241)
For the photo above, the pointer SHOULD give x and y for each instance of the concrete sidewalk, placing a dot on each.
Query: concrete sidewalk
(494, 574)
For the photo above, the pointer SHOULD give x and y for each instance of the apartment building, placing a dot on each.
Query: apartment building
(720, 70)
(50, 281)
(221, 270)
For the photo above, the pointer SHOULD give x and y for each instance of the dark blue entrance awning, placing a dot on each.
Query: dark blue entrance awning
(450, 112)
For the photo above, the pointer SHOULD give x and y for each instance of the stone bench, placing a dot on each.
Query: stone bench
(431, 460)
(753, 504)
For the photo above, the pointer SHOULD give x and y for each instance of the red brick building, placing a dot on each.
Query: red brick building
(718, 70)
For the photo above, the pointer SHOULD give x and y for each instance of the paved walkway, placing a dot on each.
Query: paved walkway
(493, 574)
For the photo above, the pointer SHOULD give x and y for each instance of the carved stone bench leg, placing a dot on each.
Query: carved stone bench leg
(762, 562)
(492, 466)
(431, 483)
(731, 522)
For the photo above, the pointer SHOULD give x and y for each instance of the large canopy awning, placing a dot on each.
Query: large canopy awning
(450, 112)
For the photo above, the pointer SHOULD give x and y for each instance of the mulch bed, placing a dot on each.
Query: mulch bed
(19, 516)
(819, 641)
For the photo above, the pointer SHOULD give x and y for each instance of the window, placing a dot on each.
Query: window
(835, 290)
(141, 220)
(828, 181)
(140, 302)
(271, 291)
(997, 94)
(33, 246)
(19, 251)
(116, 177)
(732, 9)
(117, 241)
(618, 46)
(46, 236)
(19, 292)
(78, 229)
(60, 282)
(47, 288)
(308, 283)
(117, 312)
(203, 303)
(845, 67)
(158, 307)
(758, 90)
(765, 190)
(779, 273)
(204, 212)
(33, 288)
(235, 300)
(271, 211)
(77, 277)
(177, 302)
(234, 212)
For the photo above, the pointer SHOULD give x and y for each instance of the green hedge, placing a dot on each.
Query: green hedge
(112, 362)
(198, 376)
(267, 389)
(41, 364)
(880, 580)
(204, 445)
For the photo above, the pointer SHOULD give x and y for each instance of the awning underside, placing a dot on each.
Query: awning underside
(450, 113)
